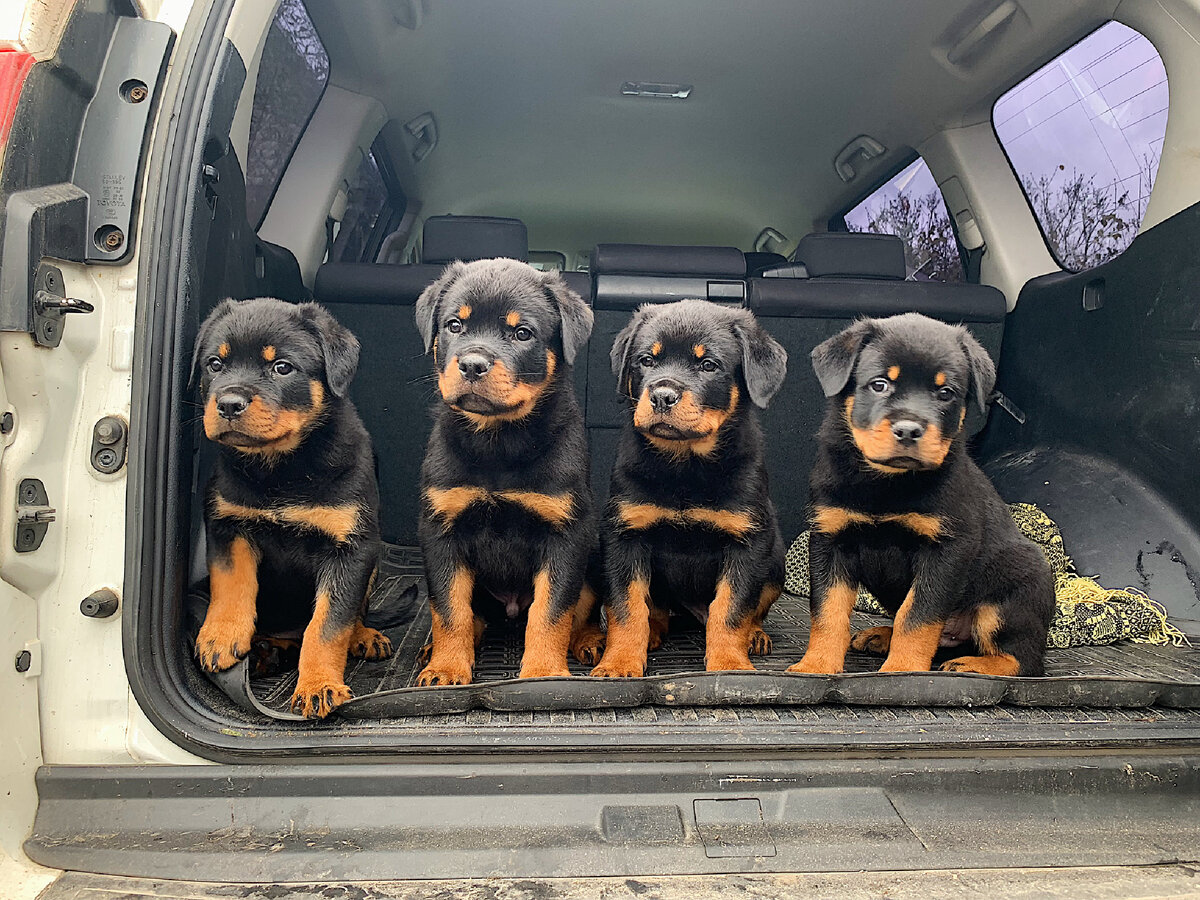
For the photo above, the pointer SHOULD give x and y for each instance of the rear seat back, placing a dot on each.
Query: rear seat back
(393, 390)
(844, 277)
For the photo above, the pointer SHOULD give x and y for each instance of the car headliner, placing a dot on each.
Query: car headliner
(531, 122)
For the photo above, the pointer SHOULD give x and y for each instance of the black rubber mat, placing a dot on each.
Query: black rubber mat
(1115, 676)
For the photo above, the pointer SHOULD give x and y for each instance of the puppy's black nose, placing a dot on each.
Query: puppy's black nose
(230, 406)
(907, 431)
(663, 397)
(473, 366)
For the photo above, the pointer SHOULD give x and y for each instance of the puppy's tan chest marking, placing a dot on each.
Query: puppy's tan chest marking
(835, 519)
(450, 503)
(338, 522)
(640, 516)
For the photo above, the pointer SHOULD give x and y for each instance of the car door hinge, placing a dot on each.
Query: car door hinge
(50, 304)
(34, 515)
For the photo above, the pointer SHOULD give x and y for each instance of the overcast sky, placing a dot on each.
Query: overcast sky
(1100, 108)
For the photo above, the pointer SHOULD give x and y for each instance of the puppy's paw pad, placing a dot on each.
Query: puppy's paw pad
(316, 700)
(438, 676)
(873, 640)
(760, 643)
(369, 643)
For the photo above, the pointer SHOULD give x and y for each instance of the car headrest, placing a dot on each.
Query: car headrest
(447, 238)
(662, 259)
(757, 260)
(850, 254)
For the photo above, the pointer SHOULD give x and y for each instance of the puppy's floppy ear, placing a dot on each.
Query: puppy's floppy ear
(619, 355)
(834, 359)
(575, 314)
(220, 311)
(428, 302)
(339, 346)
(764, 361)
(982, 369)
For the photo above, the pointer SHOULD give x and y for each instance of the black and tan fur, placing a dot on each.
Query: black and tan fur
(899, 508)
(291, 511)
(689, 523)
(506, 522)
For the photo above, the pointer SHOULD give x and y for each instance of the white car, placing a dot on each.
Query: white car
(1036, 165)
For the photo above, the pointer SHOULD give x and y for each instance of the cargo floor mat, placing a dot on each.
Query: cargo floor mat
(1118, 675)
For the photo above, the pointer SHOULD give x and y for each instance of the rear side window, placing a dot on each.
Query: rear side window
(291, 78)
(374, 206)
(1084, 134)
(910, 206)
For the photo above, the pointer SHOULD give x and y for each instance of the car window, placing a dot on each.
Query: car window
(910, 206)
(1084, 134)
(292, 76)
(372, 208)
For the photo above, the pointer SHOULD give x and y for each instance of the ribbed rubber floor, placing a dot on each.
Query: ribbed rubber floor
(1118, 676)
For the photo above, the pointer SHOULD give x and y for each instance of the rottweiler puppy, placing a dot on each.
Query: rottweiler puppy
(899, 507)
(292, 508)
(689, 524)
(506, 522)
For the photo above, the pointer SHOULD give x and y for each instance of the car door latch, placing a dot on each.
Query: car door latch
(34, 515)
(50, 304)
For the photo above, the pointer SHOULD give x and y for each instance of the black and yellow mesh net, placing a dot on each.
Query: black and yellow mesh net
(1086, 613)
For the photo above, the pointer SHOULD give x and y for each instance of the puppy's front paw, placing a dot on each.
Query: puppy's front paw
(222, 643)
(728, 662)
(541, 670)
(315, 698)
(760, 643)
(815, 666)
(368, 643)
(876, 640)
(587, 645)
(437, 673)
(614, 666)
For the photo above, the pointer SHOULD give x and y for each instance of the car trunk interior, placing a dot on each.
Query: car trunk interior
(1099, 368)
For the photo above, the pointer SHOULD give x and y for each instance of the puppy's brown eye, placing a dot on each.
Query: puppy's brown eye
(523, 334)
(454, 326)
(215, 365)
(283, 367)
(945, 394)
(708, 365)
(647, 361)
(879, 385)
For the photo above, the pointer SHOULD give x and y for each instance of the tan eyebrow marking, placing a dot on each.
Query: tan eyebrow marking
(464, 311)
(656, 348)
(894, 372)
(940, 379)
(698, 350)
(513, 319)
(223, 351)
(268, 353)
